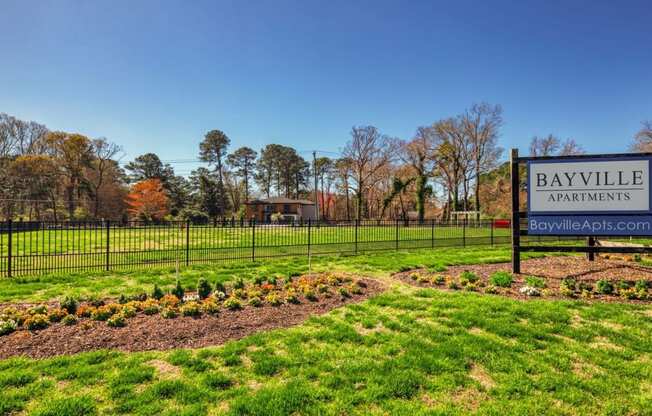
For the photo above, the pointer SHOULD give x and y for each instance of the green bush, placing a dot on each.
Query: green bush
(70, 304)
(38, 310)
(128, 311)
(117, 321)
(534, 281)
(641, 285)
(37, 321)
(7, 327)
(203, 288)
(439, 279)
(178, 291)
(273, 299)
(501, 279)
(605, 287)
(255, 301)
(157, 292)
(169, 313)
(233, 304)
(467, 277)
(69, 320)
(569, 284)
(219, 287)
(239, 283)
(56, 315)
(190, 309)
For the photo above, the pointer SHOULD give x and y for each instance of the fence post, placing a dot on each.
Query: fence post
(464, 233)
(187, 242)
(396, 233)
(357, 224)
(432, 233)
(108, 245)
(309, 228)
(9, 247)
(253, 239)
(492, 232)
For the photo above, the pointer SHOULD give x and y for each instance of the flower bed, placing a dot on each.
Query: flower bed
(550, 277)
(174, 318)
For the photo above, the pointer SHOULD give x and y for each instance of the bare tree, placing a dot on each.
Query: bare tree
(103, 162)
(553, 146)
(643, 138)
(368, 151)
(482, 124)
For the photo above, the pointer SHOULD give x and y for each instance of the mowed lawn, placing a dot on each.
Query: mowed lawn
(407, 351)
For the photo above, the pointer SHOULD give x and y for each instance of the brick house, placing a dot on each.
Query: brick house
(290, 209)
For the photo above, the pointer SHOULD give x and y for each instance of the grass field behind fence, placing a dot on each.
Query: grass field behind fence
(98, 247)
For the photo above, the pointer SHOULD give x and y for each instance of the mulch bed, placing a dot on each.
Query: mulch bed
(553, 270)
(156, 333)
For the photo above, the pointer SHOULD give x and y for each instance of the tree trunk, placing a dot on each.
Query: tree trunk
(477, 189)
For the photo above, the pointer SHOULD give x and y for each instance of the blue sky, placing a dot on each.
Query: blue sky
(156, 75)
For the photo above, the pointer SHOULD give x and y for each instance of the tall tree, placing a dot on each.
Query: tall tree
(242, 161)
(36, 180)
(418, 155)
(149, 166)
(553, 146)
(103, 154)
(213, 150)
(369, 152)
(73, 153)
(482, 124)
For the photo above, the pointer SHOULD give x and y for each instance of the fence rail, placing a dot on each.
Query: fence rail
(32, 248)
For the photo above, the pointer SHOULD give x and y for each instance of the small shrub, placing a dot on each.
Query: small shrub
(8, 326)
(95, 301)
(103, 313)
(169, 312)
(467, 277)
(203, 288)
(191, 308)
(239, 283)
(291, 296)
(310, 295)
(85, 311)
(354, 289)
(178, 290)
(423, 279)
(451, 283)
(128, 311)
(471, 287)
(585, 286)
(586, 294)
(233, 304)
(637, 258)
(12, 314)
(272, 280)
(414, 276)
(567, 287)
(150, 307)
(605, 287)
(534, 281)
(210, 307)
(157, 292)
(37, 321)
(69, 320)
(219, 287)
(624, 284)
(239, 293)
(321, 288)
(38, 310)
(629, 293)
(491, 289)
(56, 315)
(70, 304)
(530, 291)
(547, 293)
(117, 321)
(255, 301)
(259, 280)
(273, 299)
(122, 299)
(344, 292)
(501, 279)
(438, 279)
(217, 295)
(566, 291)
(641, 285)
(169, 301)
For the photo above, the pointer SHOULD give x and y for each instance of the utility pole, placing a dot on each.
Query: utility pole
(314, 169)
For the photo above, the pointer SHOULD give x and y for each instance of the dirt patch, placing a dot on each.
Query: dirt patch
(156, 333)
(164, 369)
(551, 269)
(479, 374)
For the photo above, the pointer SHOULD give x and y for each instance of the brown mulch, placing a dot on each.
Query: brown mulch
(553, 270)
(156, 333)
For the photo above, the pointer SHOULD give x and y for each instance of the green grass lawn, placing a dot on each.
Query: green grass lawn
(407, 351)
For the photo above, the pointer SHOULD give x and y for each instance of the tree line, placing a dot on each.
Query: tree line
(454, 165)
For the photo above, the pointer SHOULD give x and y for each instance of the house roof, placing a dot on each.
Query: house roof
(280, 200)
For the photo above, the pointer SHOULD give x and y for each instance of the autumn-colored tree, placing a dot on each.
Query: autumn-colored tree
(147, 200)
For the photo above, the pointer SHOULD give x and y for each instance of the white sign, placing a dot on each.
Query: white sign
(589, 186)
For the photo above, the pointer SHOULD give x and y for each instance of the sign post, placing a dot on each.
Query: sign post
(583, 196)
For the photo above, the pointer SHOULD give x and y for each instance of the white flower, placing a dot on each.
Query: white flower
(530, 291)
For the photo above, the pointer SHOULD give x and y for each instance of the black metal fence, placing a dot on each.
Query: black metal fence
(31, 248)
